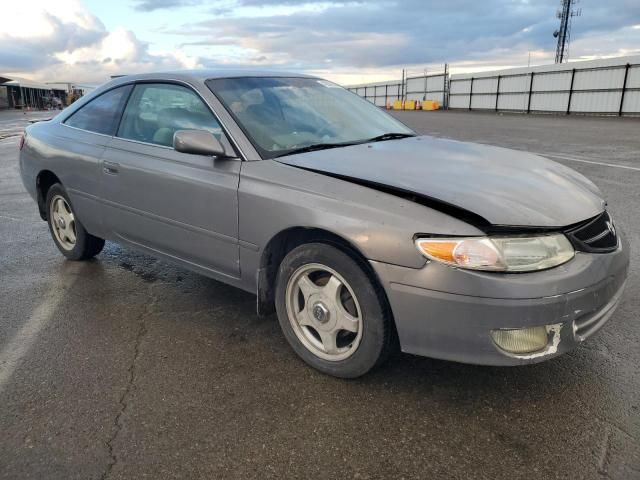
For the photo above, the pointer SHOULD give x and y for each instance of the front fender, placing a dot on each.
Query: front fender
(274, 197)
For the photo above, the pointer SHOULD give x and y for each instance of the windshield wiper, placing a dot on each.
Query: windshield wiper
(315, 146)
(325, 146)
(390, 136)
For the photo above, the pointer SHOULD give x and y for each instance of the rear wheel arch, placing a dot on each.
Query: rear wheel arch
(68, 233)
(44, 181)
(285, 241)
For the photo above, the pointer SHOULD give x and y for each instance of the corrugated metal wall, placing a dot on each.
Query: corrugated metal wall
(608, 86)
(4, 97)
(424, 87)
(379, 93)
(429, 87)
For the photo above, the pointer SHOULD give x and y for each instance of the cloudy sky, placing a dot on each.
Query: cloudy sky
(346, 41)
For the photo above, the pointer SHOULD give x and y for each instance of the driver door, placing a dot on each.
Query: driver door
(183, 206)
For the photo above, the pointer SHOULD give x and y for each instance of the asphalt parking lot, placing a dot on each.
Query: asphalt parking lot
(128, 367)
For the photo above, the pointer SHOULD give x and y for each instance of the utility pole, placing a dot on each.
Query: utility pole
(563, 34)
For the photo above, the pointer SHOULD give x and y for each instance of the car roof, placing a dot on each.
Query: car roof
(207, 74)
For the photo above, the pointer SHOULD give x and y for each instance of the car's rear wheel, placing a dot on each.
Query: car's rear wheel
(331, 311)
(68, 233)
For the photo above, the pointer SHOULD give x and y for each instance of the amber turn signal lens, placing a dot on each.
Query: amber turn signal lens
(464, 252)
(438, 250)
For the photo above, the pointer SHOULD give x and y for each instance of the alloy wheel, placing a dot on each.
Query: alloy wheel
(324, 312)
(63, 222)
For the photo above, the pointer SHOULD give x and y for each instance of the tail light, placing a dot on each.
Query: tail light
(21, 141)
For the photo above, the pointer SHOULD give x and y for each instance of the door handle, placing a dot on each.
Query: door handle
(110, 168)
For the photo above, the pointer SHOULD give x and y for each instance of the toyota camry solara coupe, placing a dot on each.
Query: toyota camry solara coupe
(361, 235)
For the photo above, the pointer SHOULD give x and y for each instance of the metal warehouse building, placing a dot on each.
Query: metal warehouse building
(18, 92)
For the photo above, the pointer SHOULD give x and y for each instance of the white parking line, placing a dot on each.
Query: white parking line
(22, 342)
(582, 160)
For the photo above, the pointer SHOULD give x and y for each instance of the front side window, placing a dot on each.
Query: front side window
(156, 111)
(101, 114)
(281, 115)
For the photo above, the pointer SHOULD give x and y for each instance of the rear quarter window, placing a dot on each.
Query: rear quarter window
(101, 115)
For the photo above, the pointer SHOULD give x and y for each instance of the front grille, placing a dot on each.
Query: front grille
(598, 235)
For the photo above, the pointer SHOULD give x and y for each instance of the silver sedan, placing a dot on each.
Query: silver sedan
(361, 235)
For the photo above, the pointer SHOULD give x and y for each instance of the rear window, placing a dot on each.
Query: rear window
(101, 115)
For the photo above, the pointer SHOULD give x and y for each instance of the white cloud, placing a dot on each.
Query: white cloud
(606, 44)
(119, 52)
(347, 40)
(65, 42)
(38, 19)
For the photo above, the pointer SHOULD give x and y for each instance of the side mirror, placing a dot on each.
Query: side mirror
(199, 142)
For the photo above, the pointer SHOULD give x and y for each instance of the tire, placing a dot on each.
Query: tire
(69, 235)
(332, 312)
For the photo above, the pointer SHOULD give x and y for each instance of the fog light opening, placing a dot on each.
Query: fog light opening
(520, 341)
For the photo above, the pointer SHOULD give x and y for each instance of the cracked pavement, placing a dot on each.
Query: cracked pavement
(118, 422)
(139, 369)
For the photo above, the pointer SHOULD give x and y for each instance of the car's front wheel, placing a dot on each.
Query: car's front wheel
(331, 311)
(68, 233)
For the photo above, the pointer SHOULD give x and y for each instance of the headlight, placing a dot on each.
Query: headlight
(499, 254)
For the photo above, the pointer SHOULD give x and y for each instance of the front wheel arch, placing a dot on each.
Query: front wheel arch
(323, 346)
(285, 241)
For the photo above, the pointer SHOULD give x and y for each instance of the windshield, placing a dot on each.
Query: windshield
(283, 115)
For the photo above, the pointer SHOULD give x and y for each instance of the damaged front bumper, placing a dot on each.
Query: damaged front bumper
(448, 313)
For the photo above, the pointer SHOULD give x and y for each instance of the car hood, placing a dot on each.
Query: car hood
(504, 187)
